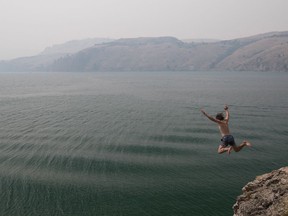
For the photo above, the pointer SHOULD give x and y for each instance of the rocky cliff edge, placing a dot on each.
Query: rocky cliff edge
(267, 195)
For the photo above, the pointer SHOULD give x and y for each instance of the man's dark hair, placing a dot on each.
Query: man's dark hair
(220, 116)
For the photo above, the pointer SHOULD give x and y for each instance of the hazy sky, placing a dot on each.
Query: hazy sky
(28, 26)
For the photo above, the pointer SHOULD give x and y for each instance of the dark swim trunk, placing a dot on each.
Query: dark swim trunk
(228, 140)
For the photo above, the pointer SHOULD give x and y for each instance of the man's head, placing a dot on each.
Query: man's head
(220, 116)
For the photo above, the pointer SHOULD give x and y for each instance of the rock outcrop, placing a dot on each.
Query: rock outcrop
(267, 195)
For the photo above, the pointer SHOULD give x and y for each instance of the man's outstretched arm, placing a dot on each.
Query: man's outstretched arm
(210, 117)
(227, 115)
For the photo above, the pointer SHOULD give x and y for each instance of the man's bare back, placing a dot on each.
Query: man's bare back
(224, 129)
(227, 138)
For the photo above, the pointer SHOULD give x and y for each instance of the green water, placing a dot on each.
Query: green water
(135, 144)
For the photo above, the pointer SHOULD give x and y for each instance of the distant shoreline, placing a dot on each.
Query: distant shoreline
(264, 52)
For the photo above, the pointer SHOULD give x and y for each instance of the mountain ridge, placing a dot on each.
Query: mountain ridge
(263, 52)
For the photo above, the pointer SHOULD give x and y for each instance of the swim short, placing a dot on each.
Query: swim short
(228, 140)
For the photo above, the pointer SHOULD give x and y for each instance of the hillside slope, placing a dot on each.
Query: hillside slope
(265, 52)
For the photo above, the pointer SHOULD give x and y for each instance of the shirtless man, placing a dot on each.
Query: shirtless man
(227, 138)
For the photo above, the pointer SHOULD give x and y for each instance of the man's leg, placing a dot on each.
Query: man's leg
(222, 149)
(238, 148)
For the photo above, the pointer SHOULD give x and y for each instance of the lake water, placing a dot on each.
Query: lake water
(135, 143)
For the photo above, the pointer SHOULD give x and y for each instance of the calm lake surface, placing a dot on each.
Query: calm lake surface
(135, 143)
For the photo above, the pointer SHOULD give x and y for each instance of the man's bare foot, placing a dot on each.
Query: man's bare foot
(246, 143)
(229, 150)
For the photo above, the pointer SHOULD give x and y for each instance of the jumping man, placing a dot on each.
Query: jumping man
(227, 138)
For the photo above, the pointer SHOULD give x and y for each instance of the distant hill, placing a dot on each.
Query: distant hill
(265, 52)
(200, 40)
(74, 46)
(49, 55)
(268, 52)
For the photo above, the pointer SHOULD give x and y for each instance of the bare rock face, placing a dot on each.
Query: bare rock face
(267, 195)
